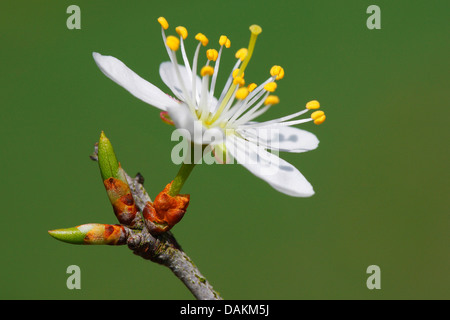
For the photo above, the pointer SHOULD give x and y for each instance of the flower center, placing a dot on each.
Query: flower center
(238, 104)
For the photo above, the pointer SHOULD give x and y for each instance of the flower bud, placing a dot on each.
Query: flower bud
(116, 185)
(165, 212)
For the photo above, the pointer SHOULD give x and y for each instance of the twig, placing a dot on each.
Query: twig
(164, 249)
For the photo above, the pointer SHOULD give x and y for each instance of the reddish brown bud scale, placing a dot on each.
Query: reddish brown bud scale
(120, 196)
(110, 234)
(154, 224)
(165, 212)
(172, 208)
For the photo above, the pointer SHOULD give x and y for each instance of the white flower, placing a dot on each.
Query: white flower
(229, 119)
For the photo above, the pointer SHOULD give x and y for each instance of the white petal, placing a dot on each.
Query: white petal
(170, 78)
(280, 174)
(182, 117)
(195, 131)
(288, 139)
(117, 71)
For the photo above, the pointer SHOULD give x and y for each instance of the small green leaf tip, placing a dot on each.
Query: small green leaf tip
(69, 235)
(92, 234)
(109, 166)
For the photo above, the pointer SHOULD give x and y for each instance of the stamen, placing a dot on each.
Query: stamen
(202, 38)
(173, 59)
(260, 87)
(241, 54)
(253, 112)
(207, 70)
(314, 104)
(173, 43)
(235, 112)
(318, 117)
(271, 86)
(251, 87)
(216, 71)
(185, 58)
(239, 81)
(194, 73)
(279, 120)
(271, 100)
(320, 120)
(163, 22)
(204, 42)
(203, 110)
(279, 124)
(212, 54)
(182, 32)
(316, 114)
(254, 96)
(222, 40)
(242, 93)
(278, 72)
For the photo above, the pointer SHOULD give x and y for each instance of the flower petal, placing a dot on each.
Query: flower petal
(288, 139)
(117, 71)
(195, 131)
(182, 118)
(170, 78)
(281, 175)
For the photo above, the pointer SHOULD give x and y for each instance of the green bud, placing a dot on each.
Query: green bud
(109, 166)
(69, 235)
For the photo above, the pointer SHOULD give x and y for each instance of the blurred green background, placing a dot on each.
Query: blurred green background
(381, 173)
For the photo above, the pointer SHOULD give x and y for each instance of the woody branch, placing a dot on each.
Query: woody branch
(130, 200)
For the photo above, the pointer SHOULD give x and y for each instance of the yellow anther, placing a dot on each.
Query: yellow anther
(173, 43)
(212, 54)
(255, 29)
(207, 71)
(320, 120)
(163, 22)
(235, 73)
(314, 104)
(277, 71)
(251, 87)
(318, 117)
(223, 40)
(317, 114)
(241, 53)
(239, 81)
(228, 43)
(202, 38)
(182, 32)
(242, 93)
(271, 100)
(271, 86)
